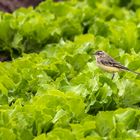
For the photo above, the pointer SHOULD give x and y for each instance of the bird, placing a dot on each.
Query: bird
(107, 63)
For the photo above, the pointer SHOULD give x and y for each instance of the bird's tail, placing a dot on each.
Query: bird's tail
(134, 72)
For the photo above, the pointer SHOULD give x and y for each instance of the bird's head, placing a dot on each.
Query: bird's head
(100, 54)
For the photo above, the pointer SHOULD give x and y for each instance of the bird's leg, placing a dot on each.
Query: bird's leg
(113, 75)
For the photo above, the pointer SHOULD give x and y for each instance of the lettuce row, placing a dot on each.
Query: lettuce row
(60, 92)
(29, 30)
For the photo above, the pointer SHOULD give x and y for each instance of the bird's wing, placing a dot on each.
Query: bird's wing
(113, 63)
(120, 66)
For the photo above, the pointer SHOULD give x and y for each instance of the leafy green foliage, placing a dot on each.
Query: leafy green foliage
(57, 91)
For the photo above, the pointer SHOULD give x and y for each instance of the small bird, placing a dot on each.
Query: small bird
(107, 63)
